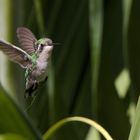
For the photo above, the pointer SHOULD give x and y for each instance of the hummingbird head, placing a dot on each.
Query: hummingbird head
(44, 44)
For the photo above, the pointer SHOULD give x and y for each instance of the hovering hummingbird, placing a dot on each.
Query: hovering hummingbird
(34, 55)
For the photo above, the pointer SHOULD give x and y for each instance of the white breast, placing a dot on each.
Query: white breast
(41, 71)
(43, 63)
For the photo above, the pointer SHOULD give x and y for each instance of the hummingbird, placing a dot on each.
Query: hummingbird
(34, 56)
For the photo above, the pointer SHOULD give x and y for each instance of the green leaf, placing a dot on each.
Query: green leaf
(63, 122)
(135, 130)
(12, 137)
(96, 34)
(13, 119)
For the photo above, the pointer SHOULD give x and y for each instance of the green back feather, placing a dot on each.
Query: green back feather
(33, 59)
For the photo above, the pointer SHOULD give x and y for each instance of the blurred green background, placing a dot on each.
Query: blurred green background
(94, 72)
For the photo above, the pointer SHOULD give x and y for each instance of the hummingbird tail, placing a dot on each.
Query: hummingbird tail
(30, 91)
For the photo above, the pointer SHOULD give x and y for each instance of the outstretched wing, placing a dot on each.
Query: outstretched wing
(27, 39)
(15, 54)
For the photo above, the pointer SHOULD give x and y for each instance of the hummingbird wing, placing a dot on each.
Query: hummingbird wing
(16, 54)
(27, 39)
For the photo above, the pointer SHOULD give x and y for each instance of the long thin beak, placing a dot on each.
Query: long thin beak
(56, 44)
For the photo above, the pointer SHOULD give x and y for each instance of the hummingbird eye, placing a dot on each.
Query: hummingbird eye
(40, 47)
